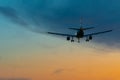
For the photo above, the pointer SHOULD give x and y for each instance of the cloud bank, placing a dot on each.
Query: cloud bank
(12, 14)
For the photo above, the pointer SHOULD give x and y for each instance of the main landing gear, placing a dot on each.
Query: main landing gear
(89, 38)
(72, 40)
(78, 40)
(68, 39)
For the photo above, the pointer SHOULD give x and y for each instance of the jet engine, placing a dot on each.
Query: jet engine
(68, 38)
(90, 37)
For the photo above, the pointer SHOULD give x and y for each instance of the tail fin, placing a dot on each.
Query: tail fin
(81, 26)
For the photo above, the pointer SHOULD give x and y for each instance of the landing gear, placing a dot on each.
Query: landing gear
(72, 40)
(78, 40)
(87, 40)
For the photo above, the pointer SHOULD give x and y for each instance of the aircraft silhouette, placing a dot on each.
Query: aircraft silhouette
(80, 34)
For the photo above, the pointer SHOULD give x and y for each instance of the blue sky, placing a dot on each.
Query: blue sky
(45, 15)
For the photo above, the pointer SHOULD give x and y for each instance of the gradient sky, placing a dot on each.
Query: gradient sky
(25, 52)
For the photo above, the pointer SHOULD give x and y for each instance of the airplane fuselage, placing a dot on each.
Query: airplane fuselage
(80, 33)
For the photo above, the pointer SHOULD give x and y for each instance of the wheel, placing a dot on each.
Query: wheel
(87, 40)
(72, 40)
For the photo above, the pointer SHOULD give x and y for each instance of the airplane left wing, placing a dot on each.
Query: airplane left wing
(97, 33)
(60, 34)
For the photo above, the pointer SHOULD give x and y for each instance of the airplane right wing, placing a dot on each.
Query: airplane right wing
(61, 34)
(97, 33)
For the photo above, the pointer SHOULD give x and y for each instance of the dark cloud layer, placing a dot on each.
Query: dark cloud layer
(12, 14)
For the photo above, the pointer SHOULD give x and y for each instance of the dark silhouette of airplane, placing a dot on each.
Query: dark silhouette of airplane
(80, 34)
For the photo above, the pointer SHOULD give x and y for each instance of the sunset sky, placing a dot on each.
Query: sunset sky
(27, 52)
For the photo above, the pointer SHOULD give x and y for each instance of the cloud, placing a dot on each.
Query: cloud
(16, 18)
(58, 71)
(62, 70)
(12, 14)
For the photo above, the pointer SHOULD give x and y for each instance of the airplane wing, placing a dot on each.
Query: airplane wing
(61, 34)
(97, 33)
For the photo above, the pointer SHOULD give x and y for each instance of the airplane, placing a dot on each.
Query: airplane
(80, 34)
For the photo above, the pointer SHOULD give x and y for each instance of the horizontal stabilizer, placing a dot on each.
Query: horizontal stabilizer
(74, 28)
(82, 28)
(88, 28)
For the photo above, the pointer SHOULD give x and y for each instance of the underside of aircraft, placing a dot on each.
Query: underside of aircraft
(80, 34)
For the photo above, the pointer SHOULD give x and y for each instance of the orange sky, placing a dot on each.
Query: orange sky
(63, 63)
